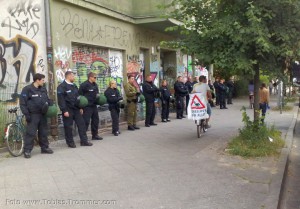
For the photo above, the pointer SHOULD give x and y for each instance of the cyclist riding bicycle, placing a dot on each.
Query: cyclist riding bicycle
(202, 87)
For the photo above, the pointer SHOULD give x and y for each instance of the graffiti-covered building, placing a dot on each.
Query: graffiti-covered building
(111, 38)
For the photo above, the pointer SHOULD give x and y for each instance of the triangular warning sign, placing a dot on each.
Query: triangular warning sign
(196, 103)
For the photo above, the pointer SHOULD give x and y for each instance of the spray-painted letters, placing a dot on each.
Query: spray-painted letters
(17, 66)
(23, 17)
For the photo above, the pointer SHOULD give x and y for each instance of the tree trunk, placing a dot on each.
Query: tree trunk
(256, 92)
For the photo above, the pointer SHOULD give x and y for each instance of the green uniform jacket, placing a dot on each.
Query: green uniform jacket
(130, 92)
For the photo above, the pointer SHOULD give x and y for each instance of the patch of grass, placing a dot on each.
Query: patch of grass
(284, 108)
(291, 99)
(254, 140)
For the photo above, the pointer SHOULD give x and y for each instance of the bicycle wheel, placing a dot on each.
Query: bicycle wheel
(14, 139)
(199, 131)
(203, 126)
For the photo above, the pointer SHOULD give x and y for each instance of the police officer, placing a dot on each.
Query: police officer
(113, 98)
(34, 103)
(132, 92)
(90, 90)
(230, 86)
(180, 92)
(189, 86)
(165, 101)
(216, 86)
(67, 95)
(150, 92)
(222, 94)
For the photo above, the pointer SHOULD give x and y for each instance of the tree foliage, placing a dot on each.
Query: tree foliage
(240, 36)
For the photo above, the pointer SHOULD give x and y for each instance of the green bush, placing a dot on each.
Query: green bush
(254, 140)
(241, 87)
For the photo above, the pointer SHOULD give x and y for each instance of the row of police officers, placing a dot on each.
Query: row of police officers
(34, 103)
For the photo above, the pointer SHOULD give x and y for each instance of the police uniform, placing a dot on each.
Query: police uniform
(113, 98)
(132, 97)
(216, 86)
(34, 104)
(180, 93)
(230, 86)
(189, 87)
(67, 94)
(149, 90)
(90, 91)
(165, 100)
(222, 95)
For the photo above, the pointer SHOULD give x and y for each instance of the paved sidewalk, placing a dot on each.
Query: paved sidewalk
(162, 167)
(291, 191)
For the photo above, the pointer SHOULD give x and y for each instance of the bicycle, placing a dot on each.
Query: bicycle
(14, 132)
(201, 127)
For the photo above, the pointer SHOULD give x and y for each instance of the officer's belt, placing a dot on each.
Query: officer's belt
(129, 101)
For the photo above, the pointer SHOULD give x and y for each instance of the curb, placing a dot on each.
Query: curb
(278, 179)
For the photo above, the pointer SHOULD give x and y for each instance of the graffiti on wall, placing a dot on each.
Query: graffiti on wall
(17, 64)
(91, 29)
(22, 46)
(91, 59)
(155, 67)
(62, 55)
(23, 17)
(136, 66)
(107, 64)
(116, 67)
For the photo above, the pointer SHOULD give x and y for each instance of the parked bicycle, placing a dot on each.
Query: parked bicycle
(14, 132)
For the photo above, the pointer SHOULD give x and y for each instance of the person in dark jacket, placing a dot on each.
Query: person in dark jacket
(216, 86)
(222, 94)
(113, 98)
(67, 95)
(180, 92)
(90, 90)
(189, 86)
(230, 86)
(150, 93)
(165, 101)
(34, 102)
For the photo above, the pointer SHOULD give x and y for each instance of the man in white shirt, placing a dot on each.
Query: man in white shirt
(202, 87)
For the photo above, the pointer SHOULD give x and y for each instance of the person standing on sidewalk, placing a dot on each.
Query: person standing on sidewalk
(230, 86)
(270, 87)
(34, 103)
(264, 99)
(189, 86)
(180, 92)
(222, 94)
(67, 96)
(132, 92)
(165, 101)
(90, 90)
(113, 97)
(150, 91)
(216, 86)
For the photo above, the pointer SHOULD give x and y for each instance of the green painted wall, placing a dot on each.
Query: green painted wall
(130, 8)
(122, 6)
(142, 8)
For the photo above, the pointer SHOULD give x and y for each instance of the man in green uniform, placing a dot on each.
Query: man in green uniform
(132, 94)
